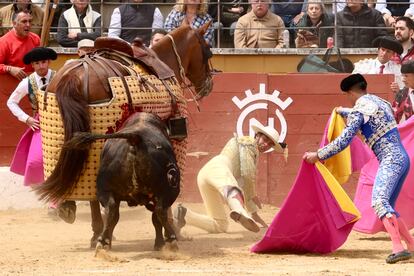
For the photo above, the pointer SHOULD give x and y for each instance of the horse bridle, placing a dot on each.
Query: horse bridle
(206, 53)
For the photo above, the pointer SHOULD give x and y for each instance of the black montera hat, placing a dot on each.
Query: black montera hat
(407, 67)
(388, 43)
(348, 82)
(39, 53)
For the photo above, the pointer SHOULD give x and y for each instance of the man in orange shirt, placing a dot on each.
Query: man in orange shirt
(15, 44)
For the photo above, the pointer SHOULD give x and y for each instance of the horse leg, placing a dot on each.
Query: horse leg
(112, 209)
(97, 222)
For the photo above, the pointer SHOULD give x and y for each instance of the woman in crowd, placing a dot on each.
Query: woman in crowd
(315, 27)
(195, 12)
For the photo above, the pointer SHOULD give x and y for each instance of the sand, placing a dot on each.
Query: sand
(35, 244)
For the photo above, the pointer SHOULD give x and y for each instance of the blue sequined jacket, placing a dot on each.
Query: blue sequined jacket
(371, 115)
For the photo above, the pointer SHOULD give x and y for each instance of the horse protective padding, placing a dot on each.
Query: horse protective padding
(106, 118)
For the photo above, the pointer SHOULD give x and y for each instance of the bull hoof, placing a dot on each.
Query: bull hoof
(171, 246)
(159, 245)
(93, 244)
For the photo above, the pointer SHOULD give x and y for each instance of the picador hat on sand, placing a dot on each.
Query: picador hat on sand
(407, 67)
(388, 43)
(351, 80)
(38, 54)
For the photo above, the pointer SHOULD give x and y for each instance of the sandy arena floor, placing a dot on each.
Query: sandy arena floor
(34, 244)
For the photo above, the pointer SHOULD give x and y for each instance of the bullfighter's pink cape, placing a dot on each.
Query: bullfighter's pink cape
(317, 215)
(369, 223)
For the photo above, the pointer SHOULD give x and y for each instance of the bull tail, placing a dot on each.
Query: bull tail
(83, 140)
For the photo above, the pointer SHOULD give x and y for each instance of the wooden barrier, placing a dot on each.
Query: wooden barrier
(313, 96)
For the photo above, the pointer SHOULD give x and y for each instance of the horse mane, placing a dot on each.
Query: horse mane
(75, 116)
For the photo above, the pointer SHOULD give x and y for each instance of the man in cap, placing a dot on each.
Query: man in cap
(15, 44)
(382, 64)
(374, 118)
(230, 177)
(403, 103)
(85, 46)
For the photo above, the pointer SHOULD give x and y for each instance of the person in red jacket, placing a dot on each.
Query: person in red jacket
(17, 43)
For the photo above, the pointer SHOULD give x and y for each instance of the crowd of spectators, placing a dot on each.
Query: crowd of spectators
(236, 23)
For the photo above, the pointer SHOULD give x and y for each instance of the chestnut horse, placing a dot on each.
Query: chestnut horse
(184, 51)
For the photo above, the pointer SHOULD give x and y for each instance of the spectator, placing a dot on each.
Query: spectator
(392, 9)
(7, 12)
(314, 23)
(259, 28)
(291, 11)
(85, 46)
(369, 23)
(404, 30)
(77, 23)
(195, 12)
(231, 11)
(15, 44)
(135, 20)
(382, 64)
(230, 179)
(403, 103)
(156, 36)
(341, 4)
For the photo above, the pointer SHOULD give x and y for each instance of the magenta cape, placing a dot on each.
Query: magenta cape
(311, 219)
(369, 223)
(28, 158)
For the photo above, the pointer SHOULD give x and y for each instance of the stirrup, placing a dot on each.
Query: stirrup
(397, 257)
(246, 222)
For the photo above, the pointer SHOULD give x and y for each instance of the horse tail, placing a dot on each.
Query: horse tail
(75, 115)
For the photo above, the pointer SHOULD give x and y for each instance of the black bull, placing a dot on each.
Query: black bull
(140, 168)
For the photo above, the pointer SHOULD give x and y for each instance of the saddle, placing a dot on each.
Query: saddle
(122, 51)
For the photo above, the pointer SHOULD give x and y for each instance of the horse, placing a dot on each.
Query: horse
(138, 166)
(184, 50)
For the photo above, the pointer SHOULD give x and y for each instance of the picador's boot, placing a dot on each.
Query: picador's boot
(238, 213)
(67, 211)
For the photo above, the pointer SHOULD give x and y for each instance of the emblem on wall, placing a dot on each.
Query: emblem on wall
(262, 101)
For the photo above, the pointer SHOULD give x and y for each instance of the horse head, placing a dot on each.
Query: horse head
(186, 52)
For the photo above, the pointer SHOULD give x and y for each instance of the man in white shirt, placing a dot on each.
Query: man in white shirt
(383, 64)
(134, 19)
(39, 58)
(28, 158)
